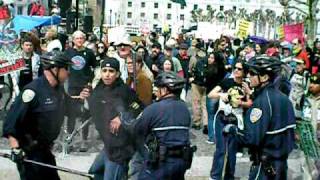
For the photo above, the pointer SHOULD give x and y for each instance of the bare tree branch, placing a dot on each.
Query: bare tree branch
(300, 2)
(298, 9)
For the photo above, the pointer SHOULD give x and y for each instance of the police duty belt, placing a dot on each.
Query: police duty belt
(71, 171)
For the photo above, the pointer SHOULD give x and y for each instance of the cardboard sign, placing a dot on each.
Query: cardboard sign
(6, 68)
(243, 29)
(294, 31)
(280, 32)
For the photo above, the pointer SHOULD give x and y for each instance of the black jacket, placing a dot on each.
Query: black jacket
(105, 103)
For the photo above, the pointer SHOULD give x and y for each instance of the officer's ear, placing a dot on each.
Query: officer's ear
(264, 78)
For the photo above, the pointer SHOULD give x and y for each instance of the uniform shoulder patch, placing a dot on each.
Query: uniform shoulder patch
(28, 95)
(255, 115)
(134, 105)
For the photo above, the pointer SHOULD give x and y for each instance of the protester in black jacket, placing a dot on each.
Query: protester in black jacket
(110, 96)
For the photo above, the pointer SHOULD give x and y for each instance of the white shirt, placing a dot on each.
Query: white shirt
(54, 44)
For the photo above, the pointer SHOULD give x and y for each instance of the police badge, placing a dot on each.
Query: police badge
(255, 115)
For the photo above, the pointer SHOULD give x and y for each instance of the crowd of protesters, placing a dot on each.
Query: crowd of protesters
(214, 72)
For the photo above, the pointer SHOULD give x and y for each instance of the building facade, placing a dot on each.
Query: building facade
(155, 13)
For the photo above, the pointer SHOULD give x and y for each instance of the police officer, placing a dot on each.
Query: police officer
(34, 120)
(110, 96)
(165, 127)
(269, 122)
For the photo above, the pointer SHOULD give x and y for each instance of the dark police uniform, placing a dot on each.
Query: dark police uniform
(169, 121)
(269, 134)
(35, 120)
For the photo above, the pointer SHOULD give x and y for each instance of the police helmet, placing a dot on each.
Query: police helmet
(55, 59)
(263, 64)
(170, 80)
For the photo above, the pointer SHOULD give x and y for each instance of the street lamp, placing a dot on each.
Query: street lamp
(115, 19)
(110, 17)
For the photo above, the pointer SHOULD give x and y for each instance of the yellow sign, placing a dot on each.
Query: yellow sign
(243, 29)
(280, 31)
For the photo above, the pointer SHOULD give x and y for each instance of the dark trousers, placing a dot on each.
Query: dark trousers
(74, 112)
(220, 155)
(171, 169)
(29, 171)
(280, 166)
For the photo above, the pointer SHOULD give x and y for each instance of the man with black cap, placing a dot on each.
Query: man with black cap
(110, 96)
(156, 59)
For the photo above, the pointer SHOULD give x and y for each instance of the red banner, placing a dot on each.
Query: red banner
(294, 31)
(6, 68)
(4, 12)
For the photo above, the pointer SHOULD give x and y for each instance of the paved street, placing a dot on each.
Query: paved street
(81, 161)
(200, 168)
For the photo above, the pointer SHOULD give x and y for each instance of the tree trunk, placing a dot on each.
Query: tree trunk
(311, 29)
(312, 19)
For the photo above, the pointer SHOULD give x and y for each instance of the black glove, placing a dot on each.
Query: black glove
(17, 155)
(230, 129)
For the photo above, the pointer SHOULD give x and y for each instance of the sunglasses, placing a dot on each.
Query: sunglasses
(100, 47)
(237, 68)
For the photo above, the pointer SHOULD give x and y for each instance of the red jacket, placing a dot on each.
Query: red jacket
(304, 56)
(4, 12)
(37, 10)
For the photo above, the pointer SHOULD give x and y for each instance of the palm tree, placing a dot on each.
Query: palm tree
(196, 15)
(243, 14)
(210, 14)
(230, 17)
(270, 19)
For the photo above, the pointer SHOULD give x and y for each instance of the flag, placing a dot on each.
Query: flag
(181, 2)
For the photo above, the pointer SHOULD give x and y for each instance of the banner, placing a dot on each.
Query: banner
(294, 31)
(243, 29)
(280, 32)
(6, 68)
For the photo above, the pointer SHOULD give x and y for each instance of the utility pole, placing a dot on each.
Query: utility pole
(102, 19)
(110, 17)
(77, 14)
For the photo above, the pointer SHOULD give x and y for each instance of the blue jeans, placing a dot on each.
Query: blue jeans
(136, 165)
(97, 167)
(114, 171)
(222, 143)
(211, 108)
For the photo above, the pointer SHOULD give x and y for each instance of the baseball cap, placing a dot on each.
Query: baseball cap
(156, 45)
(110, 62)
(183, 46)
